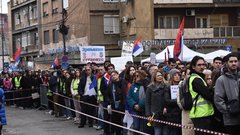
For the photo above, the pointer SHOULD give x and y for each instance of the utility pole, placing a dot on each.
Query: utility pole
(63, 28)
(2, 20)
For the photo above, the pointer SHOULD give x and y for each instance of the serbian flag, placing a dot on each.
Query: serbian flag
(178, 47)
(17, 56)
(137, 47)
(107, 78)
(55, 63)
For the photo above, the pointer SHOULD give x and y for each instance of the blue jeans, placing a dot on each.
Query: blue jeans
(139, 125)
(160, 130)
(100, 115)
(68, 104)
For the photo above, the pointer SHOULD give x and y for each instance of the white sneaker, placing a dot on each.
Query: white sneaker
(68, 118)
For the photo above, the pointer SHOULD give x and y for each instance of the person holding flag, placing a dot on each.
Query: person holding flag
(87, 89)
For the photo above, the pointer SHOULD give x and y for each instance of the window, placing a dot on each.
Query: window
(46, 37)
(201, 22)
(24, 39)
(45, 9)
(17, 18)
(65, 4)
(54, 7)
(33, 12)
(110, 0)
(55, 36)
(111, 24)
(219, 20)
(168, 22)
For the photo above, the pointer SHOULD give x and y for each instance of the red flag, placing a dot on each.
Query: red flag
(177, 50)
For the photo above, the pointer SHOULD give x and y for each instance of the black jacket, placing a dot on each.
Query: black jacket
(200, 88)
(82, 84)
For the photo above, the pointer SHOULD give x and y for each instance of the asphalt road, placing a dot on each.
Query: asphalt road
(35, 122)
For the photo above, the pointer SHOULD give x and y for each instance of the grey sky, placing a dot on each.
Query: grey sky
(4, 7)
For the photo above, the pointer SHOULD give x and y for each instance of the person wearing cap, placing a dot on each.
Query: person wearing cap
(171, 110)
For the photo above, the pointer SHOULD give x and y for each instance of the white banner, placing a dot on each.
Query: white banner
(120, 62)
(127, 49)
(92, 54)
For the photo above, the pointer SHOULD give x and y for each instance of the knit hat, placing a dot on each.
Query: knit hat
(172, 72)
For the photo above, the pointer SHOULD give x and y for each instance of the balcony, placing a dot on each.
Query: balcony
(182, 1)
(190, 33)
(196, 33)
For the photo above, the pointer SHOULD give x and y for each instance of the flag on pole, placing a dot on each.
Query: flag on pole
(55, 63)
(178, 46)
(168, 53)
(137, 47)
(17, 56)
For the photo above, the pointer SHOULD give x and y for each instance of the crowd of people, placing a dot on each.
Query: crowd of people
(146, 90)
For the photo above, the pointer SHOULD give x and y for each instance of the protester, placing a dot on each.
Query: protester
(202, 110)
(87, 91)
(217, 63)
(76, 96)
(226, 96)
(171, 110)
(136, 100)
(67, 93)
(2, 111)
(154, 103)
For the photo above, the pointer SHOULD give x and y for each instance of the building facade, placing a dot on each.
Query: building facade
(4, 40)
(209, 24)
(24, 26)
(91, 22)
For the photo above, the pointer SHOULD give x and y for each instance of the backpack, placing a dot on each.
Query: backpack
(185, 95)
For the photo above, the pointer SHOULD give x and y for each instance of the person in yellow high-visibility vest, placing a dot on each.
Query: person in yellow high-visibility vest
(16, 81)
(75, 95)
(202, 109)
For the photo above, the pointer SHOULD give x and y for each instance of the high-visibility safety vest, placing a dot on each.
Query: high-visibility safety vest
(62, 85)
(99, 95)
(17, 81)
(75, 85)
(201, 107)
(49, 92)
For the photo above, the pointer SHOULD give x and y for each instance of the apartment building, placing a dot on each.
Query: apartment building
(4, 39)
(209, 24)
(89, 22)
(24, 27)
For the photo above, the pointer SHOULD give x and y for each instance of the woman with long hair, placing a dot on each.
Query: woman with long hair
(136, 99)
(75, 95)
(154, 103)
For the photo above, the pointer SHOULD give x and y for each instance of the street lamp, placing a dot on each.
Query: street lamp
(63, 28)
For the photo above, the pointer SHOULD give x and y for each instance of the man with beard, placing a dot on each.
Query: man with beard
(226, 96)
(202, 110)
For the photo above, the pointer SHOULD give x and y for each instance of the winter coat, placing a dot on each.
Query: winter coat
(155, 101)
(27, 82)
(2, 110)
(68, 82)
(226, 89)
(120, 88)
(82, 84)
(53, 84)
(7, 83)
(133, 96)
(173, 111)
